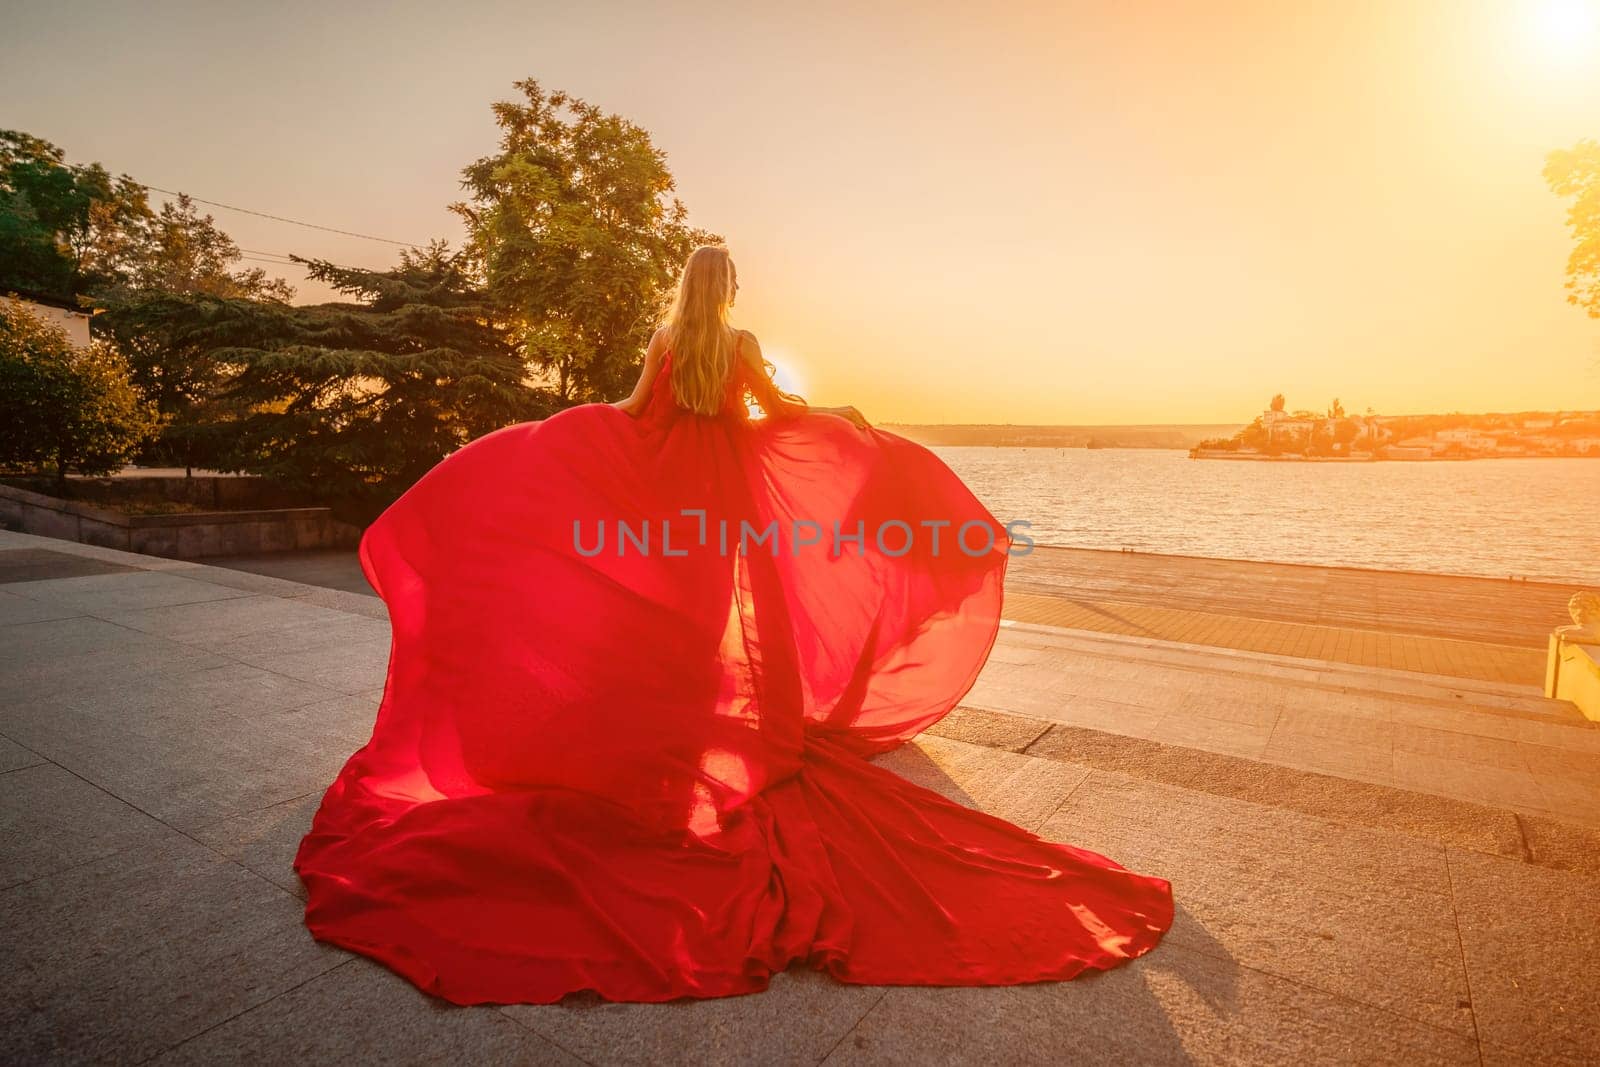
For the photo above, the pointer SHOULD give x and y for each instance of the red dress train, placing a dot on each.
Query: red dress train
(637, 765)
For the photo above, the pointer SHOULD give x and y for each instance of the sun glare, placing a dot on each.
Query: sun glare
(1567, 29)
(785, 370)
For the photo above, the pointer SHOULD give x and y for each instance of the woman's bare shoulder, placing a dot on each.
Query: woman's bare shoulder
(750, 347)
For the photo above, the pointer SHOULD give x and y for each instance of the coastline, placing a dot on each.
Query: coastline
(1213, 453)
(1569, 585)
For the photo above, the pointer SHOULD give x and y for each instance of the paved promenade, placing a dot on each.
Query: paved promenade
(1373, 862)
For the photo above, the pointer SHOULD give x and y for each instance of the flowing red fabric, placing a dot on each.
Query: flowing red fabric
(642, 770)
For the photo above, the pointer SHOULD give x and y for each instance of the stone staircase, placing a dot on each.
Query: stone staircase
(1355, 877)
(1465, 926)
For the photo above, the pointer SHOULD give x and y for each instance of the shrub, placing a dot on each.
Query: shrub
(62, 407)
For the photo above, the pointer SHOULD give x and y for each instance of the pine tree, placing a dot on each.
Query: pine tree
(356, 401)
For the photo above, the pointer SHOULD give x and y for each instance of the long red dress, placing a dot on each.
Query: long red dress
(641, 770)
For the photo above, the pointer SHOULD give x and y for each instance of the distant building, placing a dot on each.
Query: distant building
(1468, 438)
(1280, 422)
(57, 313)
(1373, 431)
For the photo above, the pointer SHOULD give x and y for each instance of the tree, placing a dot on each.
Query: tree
(575, 231)
(1277, 402)
(64, 230)
(62, 406)
(1575, 172)
(1335, 409)
(358, 401)
(180, 250)
(175, 260)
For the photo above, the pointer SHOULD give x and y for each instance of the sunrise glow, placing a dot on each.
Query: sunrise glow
(1568, 29)
(1147, 213)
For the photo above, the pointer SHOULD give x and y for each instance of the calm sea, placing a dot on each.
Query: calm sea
(1529, 518)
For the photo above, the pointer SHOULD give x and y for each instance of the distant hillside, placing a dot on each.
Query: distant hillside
(1185, 435)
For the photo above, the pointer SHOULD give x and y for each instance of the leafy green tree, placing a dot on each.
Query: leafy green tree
(180, 250)
(575, 231)
(1575, 173)
(1277, 402)
(175, 260)
(356, 401)
(64, 407)
(65, 229)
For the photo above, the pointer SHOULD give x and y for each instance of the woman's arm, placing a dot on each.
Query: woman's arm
(773, 400)
(637, 399)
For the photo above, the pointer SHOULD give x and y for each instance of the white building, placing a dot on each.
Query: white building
(57, 313)
(1469, 439)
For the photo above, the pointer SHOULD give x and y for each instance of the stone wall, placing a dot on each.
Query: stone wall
(189, 535)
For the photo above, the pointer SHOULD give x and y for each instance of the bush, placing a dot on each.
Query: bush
(62, 407)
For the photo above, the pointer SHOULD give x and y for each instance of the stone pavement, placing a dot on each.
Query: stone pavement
(1371, 864)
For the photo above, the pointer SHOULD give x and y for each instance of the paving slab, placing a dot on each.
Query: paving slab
(980, 727)
(15, 609)
(1413, 732)
(1499, 787)
(217, 622)
(1320, 918)
(347, 654)
(1020, 789)
(10, 541)
(1227, 736)
(1174, 1006)
(359, 1012)
(266, 840)
(53, 660)
(14, 757)
(1435, 818)
(124, 957)
(1091, 712)
(1358, 913)
(1454, 744)
(1576, 734)
(1482, 609)
(333, 568)
(1346, 757)
(52, 820)
(25, 564)
(121, 591)
(798, 1019)
(200, 746)
(1531, 941)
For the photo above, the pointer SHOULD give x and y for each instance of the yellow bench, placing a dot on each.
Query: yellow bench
(1572, 670)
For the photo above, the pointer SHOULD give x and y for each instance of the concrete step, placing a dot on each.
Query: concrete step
(1469, 694)
(1541, 839)
(1469, 922)
(1490, 743)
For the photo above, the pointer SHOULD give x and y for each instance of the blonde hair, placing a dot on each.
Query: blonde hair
(698, 334)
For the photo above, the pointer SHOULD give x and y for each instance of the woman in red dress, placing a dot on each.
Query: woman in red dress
(642, 655)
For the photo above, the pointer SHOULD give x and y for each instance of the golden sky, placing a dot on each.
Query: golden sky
(1011, 212)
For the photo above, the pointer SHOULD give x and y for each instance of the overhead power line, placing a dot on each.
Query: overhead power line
(280, 218)
(282, 257)
(264, 215)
